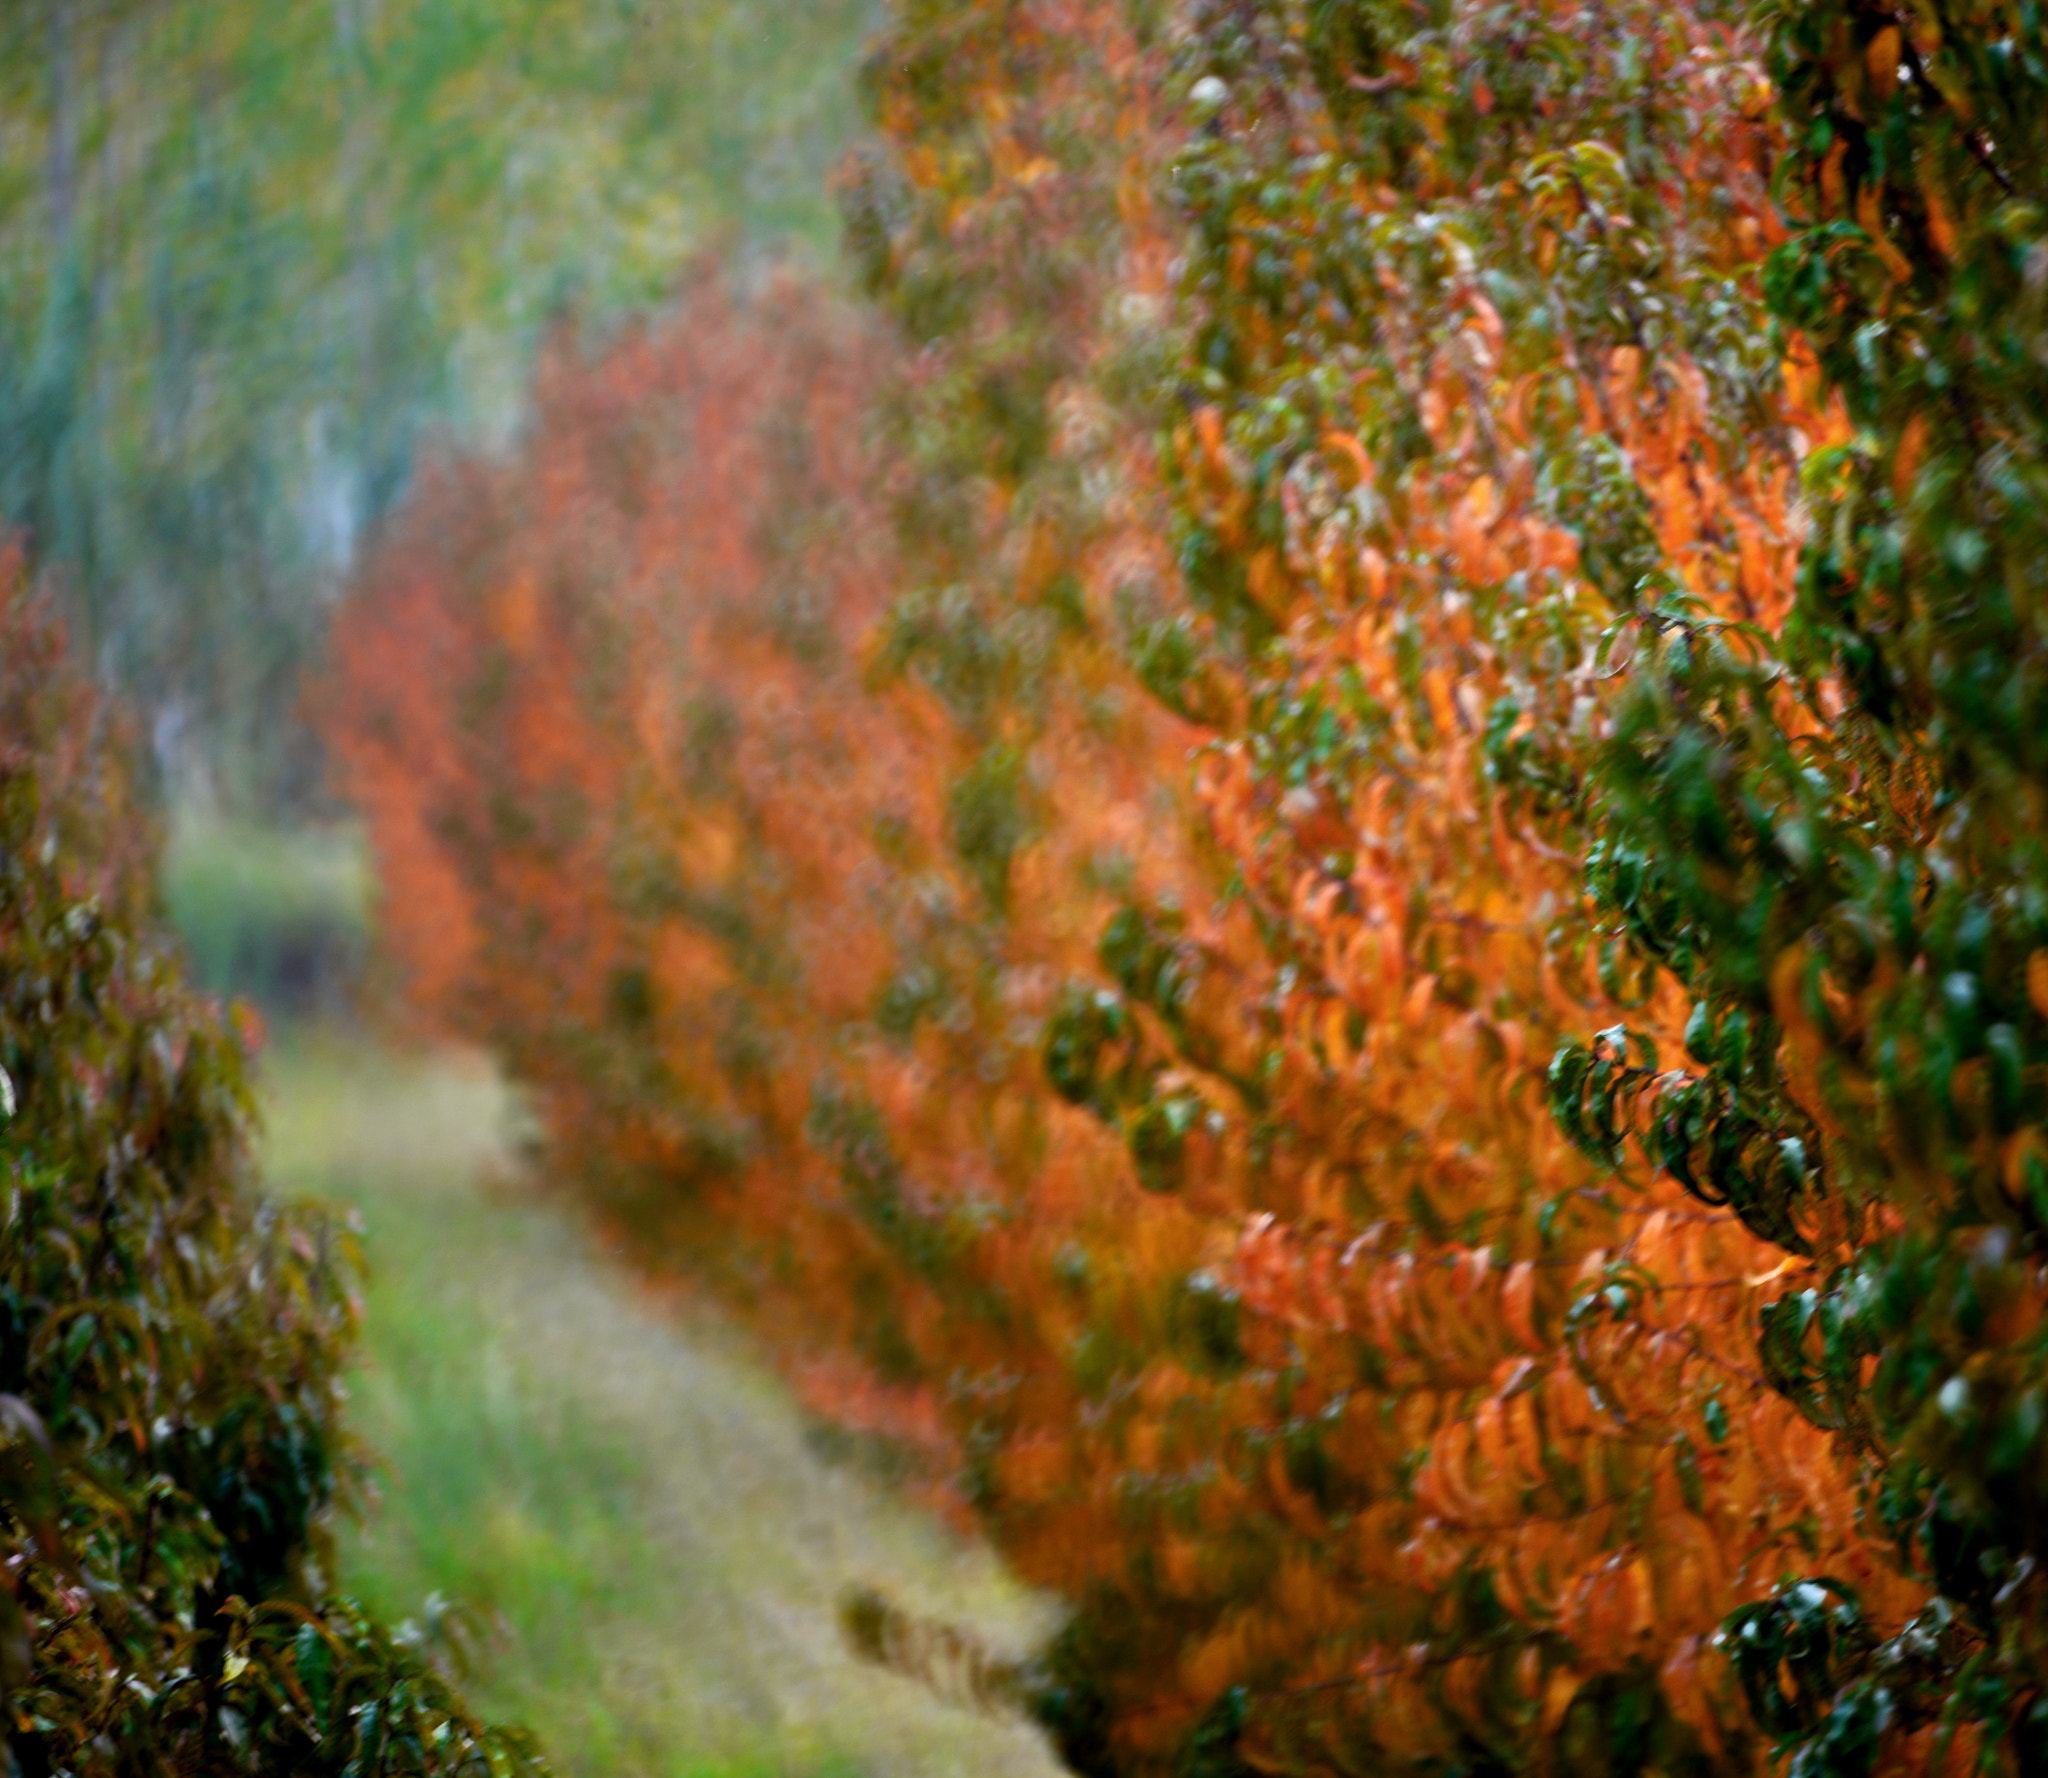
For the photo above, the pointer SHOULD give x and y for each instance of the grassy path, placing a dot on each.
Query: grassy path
(637, 1506)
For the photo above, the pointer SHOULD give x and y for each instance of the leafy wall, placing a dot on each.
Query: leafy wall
(1378, 960)
(170, 1343)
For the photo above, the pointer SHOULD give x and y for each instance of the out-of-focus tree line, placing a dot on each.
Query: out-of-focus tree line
(253, 255)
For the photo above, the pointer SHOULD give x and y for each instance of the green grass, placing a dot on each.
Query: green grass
(636, 1507)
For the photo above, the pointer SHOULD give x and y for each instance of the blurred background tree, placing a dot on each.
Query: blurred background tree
(253, 256)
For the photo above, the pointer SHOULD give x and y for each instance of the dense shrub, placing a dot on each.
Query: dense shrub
(170, 1343)
(1498, 1227)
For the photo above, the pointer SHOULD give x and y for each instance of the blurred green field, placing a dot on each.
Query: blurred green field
(636, 1508)
(278, 916)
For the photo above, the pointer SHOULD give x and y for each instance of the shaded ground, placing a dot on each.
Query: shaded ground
(637, 1506)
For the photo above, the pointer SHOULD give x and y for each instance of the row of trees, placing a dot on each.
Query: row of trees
(171, 1345)
(1494, 1221)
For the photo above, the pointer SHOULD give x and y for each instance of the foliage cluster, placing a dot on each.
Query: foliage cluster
(169, 1345)
(1498, 1227)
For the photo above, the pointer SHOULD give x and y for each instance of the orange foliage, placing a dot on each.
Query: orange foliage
(647, 823)
(1384, 1412)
